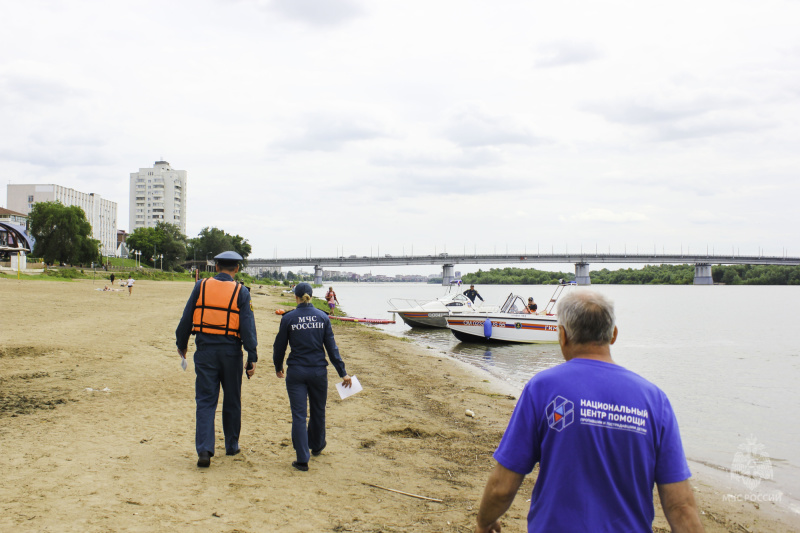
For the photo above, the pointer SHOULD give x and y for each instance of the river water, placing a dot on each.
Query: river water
(728, 357)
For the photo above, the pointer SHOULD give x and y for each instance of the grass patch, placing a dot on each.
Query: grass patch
(32, 277)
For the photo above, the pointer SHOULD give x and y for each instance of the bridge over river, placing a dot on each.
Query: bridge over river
(702, 262)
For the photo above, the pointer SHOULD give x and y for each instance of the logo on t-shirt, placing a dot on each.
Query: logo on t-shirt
(560, 413)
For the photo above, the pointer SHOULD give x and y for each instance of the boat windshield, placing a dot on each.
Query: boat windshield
(514, 304)
(459, 300)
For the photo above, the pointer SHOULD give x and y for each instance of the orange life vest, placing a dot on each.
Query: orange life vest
(217, 308)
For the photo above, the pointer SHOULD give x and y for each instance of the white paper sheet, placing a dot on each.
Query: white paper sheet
(346, 392)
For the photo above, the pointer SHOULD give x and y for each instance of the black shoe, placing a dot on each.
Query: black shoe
(303, 467)
(315, 453)
(233, 452)
(203, 459)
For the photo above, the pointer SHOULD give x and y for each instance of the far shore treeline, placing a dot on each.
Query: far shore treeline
(649, 275)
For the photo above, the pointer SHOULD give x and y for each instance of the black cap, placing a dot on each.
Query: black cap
(302, 288)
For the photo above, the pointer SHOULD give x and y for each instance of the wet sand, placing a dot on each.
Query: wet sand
(121, 456)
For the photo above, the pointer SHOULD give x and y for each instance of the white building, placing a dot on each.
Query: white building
(101, 213)
(158, 194)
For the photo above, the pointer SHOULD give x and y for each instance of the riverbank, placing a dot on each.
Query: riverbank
(121, 455)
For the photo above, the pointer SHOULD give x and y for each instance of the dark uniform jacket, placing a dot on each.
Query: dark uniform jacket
(223, 343)
(310, 331)
(471, 294)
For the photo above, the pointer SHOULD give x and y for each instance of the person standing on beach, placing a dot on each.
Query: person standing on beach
(602, 435)
(130, 284)
(308, 331)
(330, 297)
(220, 316)
(471, 293)
(112, 279)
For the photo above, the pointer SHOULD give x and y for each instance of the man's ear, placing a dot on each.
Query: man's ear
(562, 335)
(614, 336)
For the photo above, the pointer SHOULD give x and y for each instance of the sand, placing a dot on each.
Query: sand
(97, 429)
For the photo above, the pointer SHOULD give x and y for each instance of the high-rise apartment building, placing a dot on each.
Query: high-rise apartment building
(101, 213)
(158, 194)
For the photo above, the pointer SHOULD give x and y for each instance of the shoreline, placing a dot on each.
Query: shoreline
(78, 460)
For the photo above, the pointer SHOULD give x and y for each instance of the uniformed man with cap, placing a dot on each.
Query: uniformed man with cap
(308, 331)
(219, 314)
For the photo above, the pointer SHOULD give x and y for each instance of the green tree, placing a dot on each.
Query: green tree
(164, 239)
(212, 241)
(62, 233)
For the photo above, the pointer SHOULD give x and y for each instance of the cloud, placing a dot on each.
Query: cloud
(710, 125)
(679, 115)
(559, 54)
(608, 216)
(35, 88)
(425, 183)
(458, 158)
(329, 132)
(320, 13)
(471, 126)
(650, 110)
(53, 149)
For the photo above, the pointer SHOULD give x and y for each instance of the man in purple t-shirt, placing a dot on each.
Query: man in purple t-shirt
(602, 435)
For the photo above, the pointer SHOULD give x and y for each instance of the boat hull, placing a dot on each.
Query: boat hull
(422, 319)
(505, 328)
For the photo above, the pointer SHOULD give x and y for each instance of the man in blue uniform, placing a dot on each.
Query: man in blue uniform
(602, 435)
(471, 293)
(218, 312)
(308, 331)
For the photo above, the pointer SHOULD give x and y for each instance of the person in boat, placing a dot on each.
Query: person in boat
(471, 293)
(330, 297)
(531, 307)
(307, 330)
(602, 436)
(220, 316)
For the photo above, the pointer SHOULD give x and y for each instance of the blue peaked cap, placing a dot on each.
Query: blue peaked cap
(302, 288)
(228, 256)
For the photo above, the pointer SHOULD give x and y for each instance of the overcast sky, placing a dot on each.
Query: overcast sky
(330, 127)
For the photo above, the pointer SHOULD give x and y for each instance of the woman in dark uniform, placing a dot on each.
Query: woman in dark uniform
(307, 330)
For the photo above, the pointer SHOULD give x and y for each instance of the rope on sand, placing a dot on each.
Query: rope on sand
(403, 493)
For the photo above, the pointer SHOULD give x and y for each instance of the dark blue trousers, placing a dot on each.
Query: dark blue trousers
(307, 383)
(215, 368)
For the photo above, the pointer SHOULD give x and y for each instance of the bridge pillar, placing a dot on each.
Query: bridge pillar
(317, 275)
(448, 274)
(582, 274)
(702, 274)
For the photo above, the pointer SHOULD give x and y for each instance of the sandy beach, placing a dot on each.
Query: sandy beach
(97, 429)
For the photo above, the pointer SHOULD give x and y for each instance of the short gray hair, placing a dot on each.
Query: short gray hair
(587, 316)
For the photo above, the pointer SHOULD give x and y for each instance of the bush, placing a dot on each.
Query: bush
(178, 268)
(66, 273)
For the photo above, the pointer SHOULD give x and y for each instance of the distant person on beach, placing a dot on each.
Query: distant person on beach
(307, 330)
(112, 278)
(531, 307)
(220, 316)
(471, 293)
(330, 297)
(130, 285)
(602, 436)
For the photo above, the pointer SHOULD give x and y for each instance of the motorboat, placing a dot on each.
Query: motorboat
(433, 313)
(511, 324)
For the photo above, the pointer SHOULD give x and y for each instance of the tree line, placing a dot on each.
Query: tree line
(516, 276)
(648, 275)
(64, 235)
